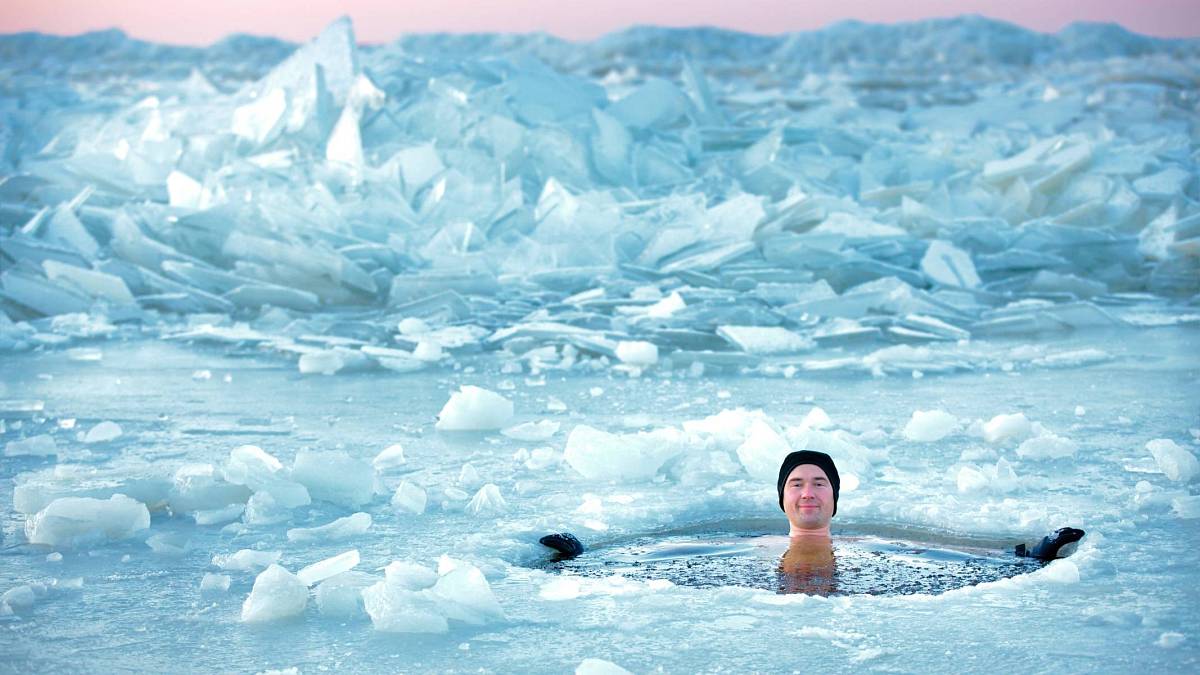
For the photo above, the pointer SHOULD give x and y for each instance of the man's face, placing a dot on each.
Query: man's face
(808, 498)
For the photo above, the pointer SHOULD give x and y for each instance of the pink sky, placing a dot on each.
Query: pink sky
(201, 22)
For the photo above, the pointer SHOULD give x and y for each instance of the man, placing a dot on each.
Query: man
(808, 489)
(808, 492)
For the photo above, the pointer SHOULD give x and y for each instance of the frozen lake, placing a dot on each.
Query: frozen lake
(303, 347)
(1106, 608)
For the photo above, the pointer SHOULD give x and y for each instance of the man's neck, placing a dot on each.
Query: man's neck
(815, 534)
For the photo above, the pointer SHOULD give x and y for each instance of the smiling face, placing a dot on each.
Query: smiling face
(808, 500)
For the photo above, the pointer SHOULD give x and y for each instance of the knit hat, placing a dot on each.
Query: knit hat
(820, 459)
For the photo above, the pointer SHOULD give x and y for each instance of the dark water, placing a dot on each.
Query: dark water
(859, 563)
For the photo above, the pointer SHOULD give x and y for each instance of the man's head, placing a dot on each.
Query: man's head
(808, 490)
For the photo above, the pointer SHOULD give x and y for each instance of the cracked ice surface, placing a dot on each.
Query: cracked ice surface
(598, 288)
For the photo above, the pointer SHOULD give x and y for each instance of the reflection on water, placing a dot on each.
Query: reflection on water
(808, 567)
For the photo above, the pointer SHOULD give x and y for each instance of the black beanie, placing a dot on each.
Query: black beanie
(820, 459)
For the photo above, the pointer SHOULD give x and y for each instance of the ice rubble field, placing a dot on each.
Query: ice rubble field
(303, 348)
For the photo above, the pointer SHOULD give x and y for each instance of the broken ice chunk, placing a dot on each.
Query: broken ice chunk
(277, 594)
(532, 431)
(78, 521)
(487, 501)
(214, 583)
(594, 666)
(246, 560)
(42, 444)
(41, 295)
(948, 265)
(409, 498)
(342, 528)
(217, 516)
(344, 147)
(249, 465)
(930, 425)
(1175, 462)
(334, 476)
(395, 609)
(198, 487)
(262, 119)
(341, 594)
(600, 455)
(1165, 184)
(91, 282)
(474, 409)
(262, 509)
(637, 352)
(762, 451)
(1047, 446)
(170, 544)
(1004, 427)
(610, 143)
(765, 339)
(319, 571)
(103, 433)
(390, 458)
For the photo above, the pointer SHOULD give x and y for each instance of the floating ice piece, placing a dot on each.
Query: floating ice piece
(637, 352)
(341, 595)
(1005, 427)
(170, 544)
(262, 509)
(762, 451)
(103, 433)
(198, 487)
(930, 425)
(727, 429)
(259, 471)
(214, 583)
(277, 594)
(948, 265)
(40, 445)
(1175, 462)
(409, 498)
(1187, 507)
(816, 418)
(600, 455)
(22, 597)
(487, 501)
(1047, 446)
(474, 409)
(593, 666)
(532, 431)
(468, 476)
(335, 477)
(765, 339)
(971, 479)
(390, 458)
(319, 571)
(35, 490)
(395, 609)
(332, 361)
(342, 528)
(246, 560)
(464, 594)
(78, 521)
